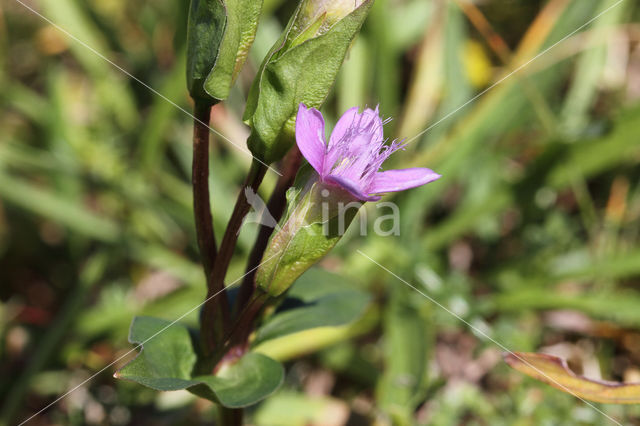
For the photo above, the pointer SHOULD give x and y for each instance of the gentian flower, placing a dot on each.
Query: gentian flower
(354, 155)
(344, 174)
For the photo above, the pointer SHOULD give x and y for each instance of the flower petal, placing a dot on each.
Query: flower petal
(310, 136)
(343, 125)
(353, 128)
(368, 118)
(399, 180)
(351, 187)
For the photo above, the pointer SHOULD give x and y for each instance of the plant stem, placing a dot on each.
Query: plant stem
(230, 416)
(215, 314)
(200, 180)
(275, 207)
(237, 339)
(212, 315)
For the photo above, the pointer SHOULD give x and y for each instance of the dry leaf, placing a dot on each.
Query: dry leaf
(555, 371)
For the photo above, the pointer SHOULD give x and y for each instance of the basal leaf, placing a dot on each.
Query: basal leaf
(317, 299)
(252, 378)
(168, 358)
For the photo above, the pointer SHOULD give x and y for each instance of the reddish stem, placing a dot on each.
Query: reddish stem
(215, 314)
(200, 180)
(275, 207)
(237, 339)
(212, 320)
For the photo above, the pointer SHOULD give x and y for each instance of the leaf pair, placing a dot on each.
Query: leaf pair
(168, 358)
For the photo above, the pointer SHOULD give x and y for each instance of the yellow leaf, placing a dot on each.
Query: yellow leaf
(555, 371)
(476, 64)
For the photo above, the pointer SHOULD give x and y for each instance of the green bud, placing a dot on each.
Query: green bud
(300, 68)
(219, 36)
(317, 216)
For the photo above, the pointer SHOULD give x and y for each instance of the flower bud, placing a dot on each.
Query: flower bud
(317, 217)
(219, 35)
(300, 68)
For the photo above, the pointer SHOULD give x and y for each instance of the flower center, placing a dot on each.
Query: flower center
(360, 152)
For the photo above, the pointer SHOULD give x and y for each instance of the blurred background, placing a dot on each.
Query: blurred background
(531, 236)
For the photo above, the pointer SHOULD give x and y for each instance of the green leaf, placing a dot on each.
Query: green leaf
(295, 409)
(168, 358)
(219, 36)
(586, 81)
(240, 30)
(320, 299)
(251, 379)
(620, 306)
(296, 71)
(53, 206)
(206, 26)
(589, 157)
(407, 344)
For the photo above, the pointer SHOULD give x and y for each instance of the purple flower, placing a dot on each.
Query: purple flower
(354, 155)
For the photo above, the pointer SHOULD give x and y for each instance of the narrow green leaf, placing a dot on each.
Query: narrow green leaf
(407, 342)
(590, 65)
(318, 299)
(240, 30)
(52, 206)
(621, 306)
(207, 19)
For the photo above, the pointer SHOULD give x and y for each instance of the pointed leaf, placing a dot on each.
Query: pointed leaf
(168, 358)
(251, 379)
(240, 30)
(555, 372)
(317, 299)
(207, 20)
